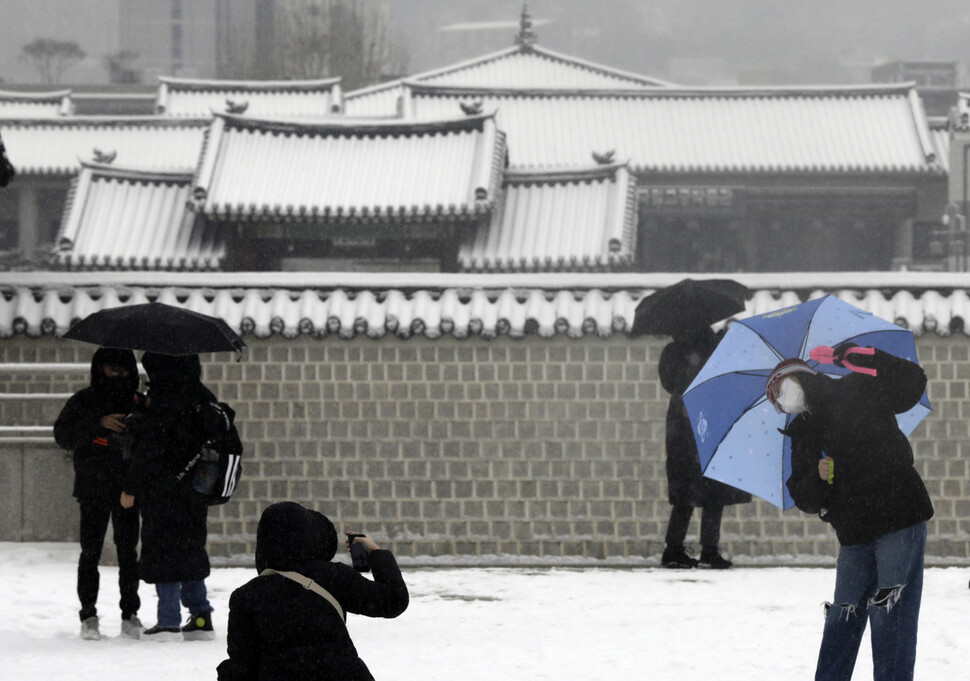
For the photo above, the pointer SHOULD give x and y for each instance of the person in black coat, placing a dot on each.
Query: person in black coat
(687, 488)
(91, 424)
(281, 631)
(853, 466)
(165, 436)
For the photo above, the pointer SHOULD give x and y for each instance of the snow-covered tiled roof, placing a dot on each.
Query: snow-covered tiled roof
(858, 129)
(130, 219)
(187, 97)
(580, 220)
(57, 146)
(16, 104)
(345, 305)
(519, 67)
(940, 137)
(349, 169)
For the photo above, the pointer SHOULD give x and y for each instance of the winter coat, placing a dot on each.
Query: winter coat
(165, 436)
(280, 631)
(99, 462)
(876, 490)
(680, 361)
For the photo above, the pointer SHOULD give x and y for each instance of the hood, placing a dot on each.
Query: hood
(125, 358)
(289, 535)
(681, 360)
(170, 368)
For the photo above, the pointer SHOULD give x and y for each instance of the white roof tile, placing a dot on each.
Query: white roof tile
(57, 146)
(515, 67)
(336, 170)
(344, 305)
(820, 130)
(126, 219)
(183, 97)
(16, 104)
(581, 220)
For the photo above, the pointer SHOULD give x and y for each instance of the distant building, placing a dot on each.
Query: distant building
(936, 81)
(172, 37)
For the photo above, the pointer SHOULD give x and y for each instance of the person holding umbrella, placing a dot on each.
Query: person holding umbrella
(686, 310)
(92, 426)
(165, 436)
(687, 488)
(853, 466)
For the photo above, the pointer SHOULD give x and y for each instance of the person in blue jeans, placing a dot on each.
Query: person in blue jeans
(164, 438)
(853, 467)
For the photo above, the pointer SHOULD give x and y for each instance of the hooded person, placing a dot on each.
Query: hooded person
(283, 629)
(165, 437)
(687, 488)
(91, 425)
(853, 467)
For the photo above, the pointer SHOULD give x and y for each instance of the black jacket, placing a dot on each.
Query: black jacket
(680, 361)
(99, 464)
(876, 490)
(279, 631)
(165, 436)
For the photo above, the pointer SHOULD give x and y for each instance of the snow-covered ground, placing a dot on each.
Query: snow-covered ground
(496, 624)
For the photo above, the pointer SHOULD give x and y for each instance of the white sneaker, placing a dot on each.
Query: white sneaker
(131, 627)
(89, 629)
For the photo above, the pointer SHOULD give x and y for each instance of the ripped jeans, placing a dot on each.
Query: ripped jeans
(881, 582)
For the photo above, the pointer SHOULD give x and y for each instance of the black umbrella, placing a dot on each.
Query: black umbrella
(688, 305)
(156, 327)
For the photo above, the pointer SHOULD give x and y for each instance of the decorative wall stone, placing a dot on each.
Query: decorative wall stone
(489, 451)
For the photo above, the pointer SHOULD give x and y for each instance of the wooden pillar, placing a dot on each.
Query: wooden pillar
(27, 221)
(903, 251)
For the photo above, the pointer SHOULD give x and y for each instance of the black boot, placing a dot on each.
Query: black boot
(676, 558)
(713, 560)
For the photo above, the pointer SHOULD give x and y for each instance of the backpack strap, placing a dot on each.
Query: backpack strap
(308, 583)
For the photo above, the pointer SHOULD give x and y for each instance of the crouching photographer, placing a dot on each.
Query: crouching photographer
(289, 623)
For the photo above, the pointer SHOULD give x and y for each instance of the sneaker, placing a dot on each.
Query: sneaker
(89, 629)
(162, 634)
(131, 627)
(712, 560)
(677, 558)
(199, 628)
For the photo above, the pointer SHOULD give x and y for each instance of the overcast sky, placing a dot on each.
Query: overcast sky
(806, 40)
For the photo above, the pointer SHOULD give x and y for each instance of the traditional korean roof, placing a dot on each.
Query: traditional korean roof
(940, 138)
(858, 129)
(56, 146)
(185, 97)
(345, 305)
(16, 104)
(130, 219)
(578, 220)
(339, 170)
(523, 66)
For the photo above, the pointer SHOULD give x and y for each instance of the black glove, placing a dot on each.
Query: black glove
(839, 352)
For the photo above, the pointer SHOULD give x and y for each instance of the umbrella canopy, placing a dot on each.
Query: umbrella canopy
(734, 425)
(688, 305)
(156, 327)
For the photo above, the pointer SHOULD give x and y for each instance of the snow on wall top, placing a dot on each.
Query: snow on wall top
(346, 305)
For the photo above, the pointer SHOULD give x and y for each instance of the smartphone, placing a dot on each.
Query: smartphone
(358, 553)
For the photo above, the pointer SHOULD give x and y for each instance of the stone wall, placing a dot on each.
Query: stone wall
(477, 451)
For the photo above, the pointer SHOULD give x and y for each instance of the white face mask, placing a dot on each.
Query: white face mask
(791, 397)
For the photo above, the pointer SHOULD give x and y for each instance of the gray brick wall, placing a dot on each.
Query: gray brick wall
(531, 449)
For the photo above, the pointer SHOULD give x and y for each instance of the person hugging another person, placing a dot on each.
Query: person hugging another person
(289, 623)
(91, 424)
(165, 437)
(687, 488)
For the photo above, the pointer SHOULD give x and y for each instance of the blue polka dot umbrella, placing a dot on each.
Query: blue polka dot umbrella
(735, 427)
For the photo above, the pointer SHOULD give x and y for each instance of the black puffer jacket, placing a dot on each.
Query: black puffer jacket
(680, 361)
(876, 490)
(99, 465)
(279, 631)
(164, 438)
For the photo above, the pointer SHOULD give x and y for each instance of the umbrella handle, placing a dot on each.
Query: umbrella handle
(823, 354)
